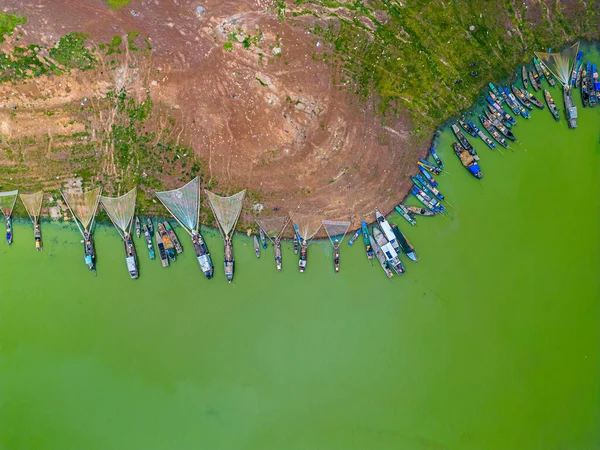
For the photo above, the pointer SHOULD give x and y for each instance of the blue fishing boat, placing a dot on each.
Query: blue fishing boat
(509, 120)
(428, 177)
(467, 128)
(367, 240)
(467, 160)
(513, 107)
(421, 183)
(354, 237)
(576, 68)
(520, 108)
(483, 136)
(429, 202)
(430, 168)
(436, 158)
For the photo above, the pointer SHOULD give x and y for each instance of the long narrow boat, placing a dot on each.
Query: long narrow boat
(570, 108)
(585, 95)
(173, 237)
(202, 255)
(405, 244)
(513, 106)
(296, 244)
(593, 95)
(546, 73)
(494, 97)
(535, 81)
(277, 253)
(464, 141)
(524, 77)
(166, 241)
(521, 97)
(494, 115)
(162, 251)
(533, 99)
(436, 158)
(387, 229)
(467, 128)
(520, 108)
(428, 201)
(131, 256)
(256, 247)
(420, 182)
(390, 251)
(149, 243)
(404, 212)
(263, 237)
(500, 126)
(150, 226)
(354, 237)
(381, 258)
(551, 105)
(595, 77)
(367, 239)
(538, 68)
(506, 117)
(420, 211)
(467, 160)
(491, 144)
(494, 89)
(430, 168)
(138, 227)
(576, 68)
(428, 177)
(578, 80)
(495, 133)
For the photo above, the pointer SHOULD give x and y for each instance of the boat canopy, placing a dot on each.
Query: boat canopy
(33, 204)
(560, 64)
(274, 227)
(335, 228)
(226, 210)
(83, 205)
(7, 202)
(184, 204)
(121, 210)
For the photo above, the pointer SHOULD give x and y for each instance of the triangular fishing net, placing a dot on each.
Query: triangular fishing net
(226, 209)
(308, 225)
(183, 203)
(121, 209)
(274, 226)
(83, 205)
(336, 228)
(7, 202)
(560, 64)
(33, 203)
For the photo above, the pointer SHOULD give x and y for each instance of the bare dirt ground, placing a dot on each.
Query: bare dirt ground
(265, 115)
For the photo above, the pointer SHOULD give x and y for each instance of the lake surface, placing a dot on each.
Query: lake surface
(490, 341)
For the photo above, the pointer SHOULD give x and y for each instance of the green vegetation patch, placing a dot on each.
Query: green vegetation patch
(70, 51)
(8, 22)
(115, 5)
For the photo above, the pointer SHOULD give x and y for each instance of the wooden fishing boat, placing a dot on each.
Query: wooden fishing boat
(166, 241)
(467, 160)
(535, 81)
(464, 141)
(570, 108)
(390, 252)
(490, 129)
(524, 77)
(173, 237)
(263, 237)
(538, 68)
(277, 252)
(296, 244)
(491, 144)
(404, 212)
(150, 226)
(387, 230)
(202, 255)
(500, 126)
(551, 105)
(595, 78)
(162, 251)
(381, 258)
(533, 99)
(37, 235)
(354, 237)
(228, 258)
(430, 168)
(138, 227)
(429, 202)
(497, 99)
(149, 243)
(593, 95)
(585, 96)
(428, 177)
(495, 90)
(131, 256)
(467, 128)
(515, 105)
(514, 108)
(547, 74)
(420, 211)
(336, 256)
(579, 76)
(521, 97)
(576, 66)
(421, 183)
(367, 240)
(303, 257)
(436, 158)
(405, 244)
(256, 247)
(9, 233)
(507, 119)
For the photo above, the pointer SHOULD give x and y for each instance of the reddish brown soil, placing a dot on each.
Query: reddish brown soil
(278, 125)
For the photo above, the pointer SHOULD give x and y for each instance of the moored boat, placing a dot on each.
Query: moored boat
(429, 167)
(166, 241)
(467, 128)
(421, 183)
(202, 254)
(491, 144)
(149, 243)
(150, 226)
(303, 257)
(403, 211)
(538, 68)
(228, 259)
(570, 108)
(390, 252)
(519, 108)
(533, 99)
(593, 95)
(535, 81)
(524, 77)
(551, 105)
(512, 105)
(256, 247)
(367, 240)
(464, 141)
(162, 251)
(263, 237)
(131, 256)
(277, 252)
(354, 237)
(296, 244)
(89, 252)
(420, 211)
(490, 129)
(500, 126)
(336, 256)
(405, 244)
(381, 258)
(547, 74)
(428, 201)
(508, 120)
(173, 237)
(467, 160)
(428, 177)
(521, 97)
(494, 89)
(387, 229)
(138, 227)
(436, 158)
(576, 68)
(585, 96)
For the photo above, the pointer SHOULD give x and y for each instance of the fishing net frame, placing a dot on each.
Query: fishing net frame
(90, 220)
(276, 234)
(121, 210)
(304, 226)
(344, 226)
(190, 221)
(560, 64)
(226, 207)
(7, 210)
(30, 202)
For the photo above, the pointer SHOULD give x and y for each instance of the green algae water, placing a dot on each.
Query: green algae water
(490, 341)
